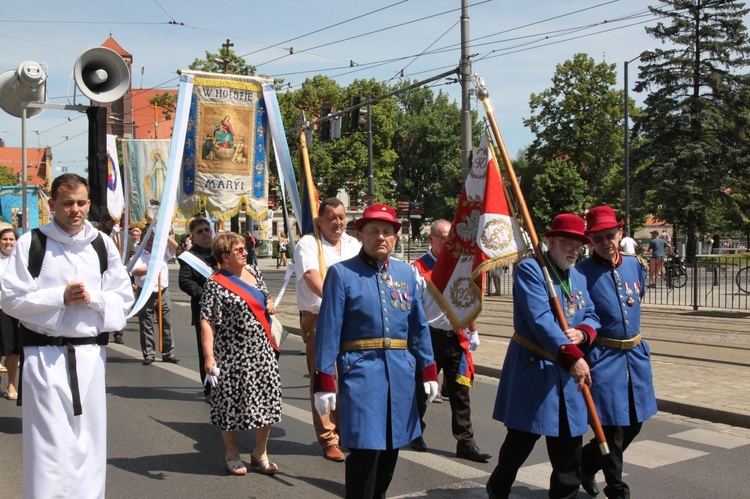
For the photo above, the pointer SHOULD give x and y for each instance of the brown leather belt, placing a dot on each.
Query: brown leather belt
(618, 344)
(534, 347)
(373, 344)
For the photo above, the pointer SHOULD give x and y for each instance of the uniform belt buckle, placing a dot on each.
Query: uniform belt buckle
(386, 343)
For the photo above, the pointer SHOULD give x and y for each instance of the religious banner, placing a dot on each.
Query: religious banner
(225, 162)
(484, 235)
(115, 199)
(145, 162)
(11, 206)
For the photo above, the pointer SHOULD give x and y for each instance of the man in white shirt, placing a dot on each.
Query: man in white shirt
(628, 244)
(80, 292)
(337, 247)
(149, 313)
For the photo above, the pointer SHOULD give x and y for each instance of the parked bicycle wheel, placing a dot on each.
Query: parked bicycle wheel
(743, 279)
(675, 275)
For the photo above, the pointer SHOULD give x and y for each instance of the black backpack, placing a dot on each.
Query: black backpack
(39, 246)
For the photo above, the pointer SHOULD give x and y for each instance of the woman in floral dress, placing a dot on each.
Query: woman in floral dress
(235, 332)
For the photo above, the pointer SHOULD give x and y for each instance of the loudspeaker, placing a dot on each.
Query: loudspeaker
(23, 84)
(101, 74)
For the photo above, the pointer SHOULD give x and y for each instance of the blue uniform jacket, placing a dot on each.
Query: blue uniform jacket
(528, 397)
(361, 302)
(613, 369)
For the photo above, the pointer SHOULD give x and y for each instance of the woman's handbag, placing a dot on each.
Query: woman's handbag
(278, 332)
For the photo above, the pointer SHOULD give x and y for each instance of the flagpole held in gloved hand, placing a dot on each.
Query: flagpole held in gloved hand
(484, 96)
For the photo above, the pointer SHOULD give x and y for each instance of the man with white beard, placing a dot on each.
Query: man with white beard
(544, 368)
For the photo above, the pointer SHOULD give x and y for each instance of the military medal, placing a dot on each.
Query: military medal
(630, 301)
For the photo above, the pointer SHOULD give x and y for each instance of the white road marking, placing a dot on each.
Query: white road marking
(651, 454)
(713, 438)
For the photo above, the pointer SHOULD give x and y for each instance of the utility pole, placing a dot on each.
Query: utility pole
(156, 122)
(370, 178)
(465, 92)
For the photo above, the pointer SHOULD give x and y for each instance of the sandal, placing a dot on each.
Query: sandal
(236, 467)
(264, 465)
(11, 396)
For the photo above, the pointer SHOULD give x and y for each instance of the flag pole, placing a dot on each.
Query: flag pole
(305, 163)
(484, 96)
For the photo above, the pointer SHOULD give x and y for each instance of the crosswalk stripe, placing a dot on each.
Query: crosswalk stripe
(442, 464)
(713, 438)
(651, 454)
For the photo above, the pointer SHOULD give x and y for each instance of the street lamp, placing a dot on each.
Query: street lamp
(627, 147)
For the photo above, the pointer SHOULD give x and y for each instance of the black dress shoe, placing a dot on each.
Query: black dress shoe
(589, 485)
(148, 362)
(419, 445)
(472, 453)
(171, 359)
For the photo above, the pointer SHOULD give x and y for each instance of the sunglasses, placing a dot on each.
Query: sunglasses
(604, 237)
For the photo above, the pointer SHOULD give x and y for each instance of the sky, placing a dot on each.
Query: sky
(516, 47)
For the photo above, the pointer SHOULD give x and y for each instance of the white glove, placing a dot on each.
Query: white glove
(213, 378)
(322, 400)
(473, 337)
(431, 389)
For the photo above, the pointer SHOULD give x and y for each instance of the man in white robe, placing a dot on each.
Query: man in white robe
(73, 304)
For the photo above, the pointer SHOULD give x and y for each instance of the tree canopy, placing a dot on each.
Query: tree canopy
(695, 123)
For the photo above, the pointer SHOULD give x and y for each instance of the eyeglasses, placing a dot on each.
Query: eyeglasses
(569, 245)
(601, 238)
(201, 231)
(442, 238)
(239, 251)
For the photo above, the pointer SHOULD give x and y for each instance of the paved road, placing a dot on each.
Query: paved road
(161, 444)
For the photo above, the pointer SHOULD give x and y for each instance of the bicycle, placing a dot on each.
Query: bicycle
(675, 272)
(743, 279)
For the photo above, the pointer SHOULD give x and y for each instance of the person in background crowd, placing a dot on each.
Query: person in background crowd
(283, 243)
(372, 322)
(134, 240)
(191, 281)
(65, 314)
(657, 249)
(148, 315)
(450, 349)
(629, 245)
(251, 246)
(239, 354)
(619, 358)
(337, 246)
(10, 345)
(544, 368)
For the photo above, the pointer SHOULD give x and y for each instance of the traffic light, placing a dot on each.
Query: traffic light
(325, 126)
(355, 116)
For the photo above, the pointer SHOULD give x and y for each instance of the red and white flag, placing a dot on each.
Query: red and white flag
(484, 235)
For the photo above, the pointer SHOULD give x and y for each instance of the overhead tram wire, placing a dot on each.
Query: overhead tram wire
(545, 36)
(401, 71)
(326, 28)
(368, 33)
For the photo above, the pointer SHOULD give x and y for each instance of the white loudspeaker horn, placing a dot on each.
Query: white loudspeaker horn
(23, 84)
(101, 74)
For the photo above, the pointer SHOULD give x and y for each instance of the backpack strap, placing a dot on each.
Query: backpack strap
(36, 252)
(101, 252)
(38, 248)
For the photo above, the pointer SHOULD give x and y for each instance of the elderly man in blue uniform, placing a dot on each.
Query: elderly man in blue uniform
(451, 354)
(373, 329)
(619, 360)
(543, 369)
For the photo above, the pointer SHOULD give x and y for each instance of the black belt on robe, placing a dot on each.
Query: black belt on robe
(31, 338)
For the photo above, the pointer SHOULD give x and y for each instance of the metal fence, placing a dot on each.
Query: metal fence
(716, 281)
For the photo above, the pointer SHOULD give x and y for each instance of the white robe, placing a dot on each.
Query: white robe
(65, 455)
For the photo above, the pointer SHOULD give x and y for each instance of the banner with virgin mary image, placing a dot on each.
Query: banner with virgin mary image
(145, 163)
(225, 162)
